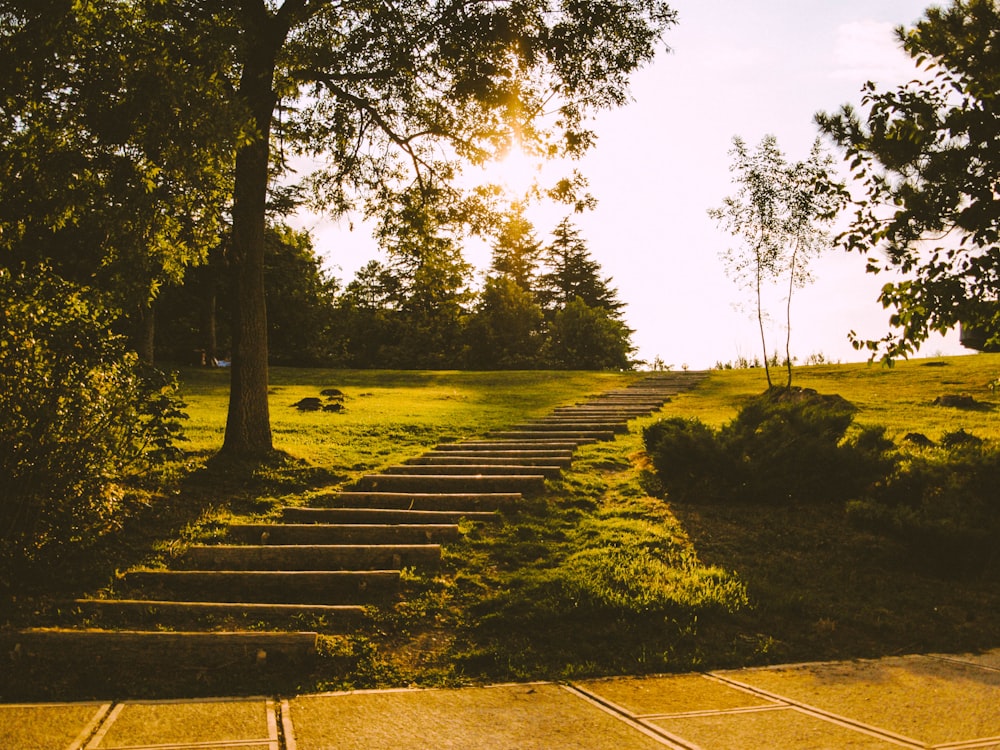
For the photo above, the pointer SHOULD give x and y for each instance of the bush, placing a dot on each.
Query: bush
(77, 411)
(784, 445)
(941, 502)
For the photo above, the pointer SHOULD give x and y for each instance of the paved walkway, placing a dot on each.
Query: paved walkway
(947, 702)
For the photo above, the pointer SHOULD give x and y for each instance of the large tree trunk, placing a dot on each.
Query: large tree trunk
(248, 426)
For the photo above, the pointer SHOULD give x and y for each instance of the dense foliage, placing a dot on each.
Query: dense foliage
(941, 501)
(77, 413)
(937, 499)
(786, 445)
(926, 157)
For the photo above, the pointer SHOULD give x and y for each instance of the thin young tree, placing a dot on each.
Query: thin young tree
(782, 212)
(754, 214)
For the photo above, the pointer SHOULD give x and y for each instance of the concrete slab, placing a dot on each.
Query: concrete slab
(930, 700)
(50, 725)
(774, 729)
(528, 717)
(987, 659)
(670, 694)
(211, 723)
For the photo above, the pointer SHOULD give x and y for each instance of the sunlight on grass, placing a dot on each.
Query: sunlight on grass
(901, 398)
(389, 415)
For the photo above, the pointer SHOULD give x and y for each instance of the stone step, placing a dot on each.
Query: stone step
(477, 469)
(601, 411)
(458, 458)
(436, 483)
(92, 657)
(349, 533)
(553, 453)
(267, 586)
(336, 617)
(310, 556)
(384, 515)
(537, 444)
(614, 425)
(631, 400)
(553, 434)
(481, 501)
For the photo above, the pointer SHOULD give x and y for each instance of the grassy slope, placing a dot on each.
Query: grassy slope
(389, 415)
(819, 588)
(597, 577)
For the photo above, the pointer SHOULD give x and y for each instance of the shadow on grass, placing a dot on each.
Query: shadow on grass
(821, 589)
(153, 523)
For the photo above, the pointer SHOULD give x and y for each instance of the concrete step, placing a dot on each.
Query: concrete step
(550, 433)
(437, 483)
(456, 458)
(480, 502)
(617, 426)
(477, 469)
(266, 586)
(350, 533)
(310, 556)
(138, 653)
(509, 454)
(336, 617)
(384, 515)
(536, 444)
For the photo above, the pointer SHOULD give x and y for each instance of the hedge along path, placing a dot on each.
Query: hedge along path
(330, 563)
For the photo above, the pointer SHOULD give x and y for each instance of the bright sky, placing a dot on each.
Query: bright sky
(736, 68)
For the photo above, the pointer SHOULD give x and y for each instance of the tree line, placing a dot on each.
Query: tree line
(539, 306)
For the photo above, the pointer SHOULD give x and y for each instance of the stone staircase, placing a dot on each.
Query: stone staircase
(331, 563)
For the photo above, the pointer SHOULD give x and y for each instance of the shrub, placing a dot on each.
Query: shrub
(76, 412)
(941, 503)
(784, 445)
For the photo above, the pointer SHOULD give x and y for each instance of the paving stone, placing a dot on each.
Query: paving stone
(205, 723)
(527, 717)
(48, 726)
(930, 700)
(774, 729)
(672, 694)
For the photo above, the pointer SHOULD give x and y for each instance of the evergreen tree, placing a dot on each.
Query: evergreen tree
(517, 250)
(573, 274)
(505, 330)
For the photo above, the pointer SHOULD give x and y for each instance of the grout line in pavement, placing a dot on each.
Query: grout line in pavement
(653, 732)
(844, 721)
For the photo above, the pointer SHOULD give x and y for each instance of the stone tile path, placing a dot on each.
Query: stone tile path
(947, 702)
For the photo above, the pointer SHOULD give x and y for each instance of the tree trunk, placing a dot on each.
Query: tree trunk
(248, 426)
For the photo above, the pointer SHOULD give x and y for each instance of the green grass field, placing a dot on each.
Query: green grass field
(388, 415)
(599, 576)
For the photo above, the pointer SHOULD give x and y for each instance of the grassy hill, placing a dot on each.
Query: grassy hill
(599, 575)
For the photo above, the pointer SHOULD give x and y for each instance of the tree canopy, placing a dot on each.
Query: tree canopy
(392, 97)
(926, 157)
(149, 128)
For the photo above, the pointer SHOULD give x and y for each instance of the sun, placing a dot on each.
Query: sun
(515, 170)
